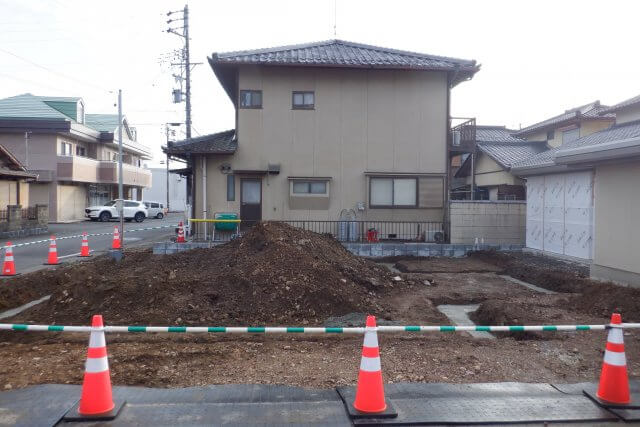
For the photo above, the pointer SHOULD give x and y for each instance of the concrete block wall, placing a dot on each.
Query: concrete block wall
(498, 222)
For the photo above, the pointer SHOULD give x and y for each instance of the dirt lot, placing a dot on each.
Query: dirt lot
(281, 276)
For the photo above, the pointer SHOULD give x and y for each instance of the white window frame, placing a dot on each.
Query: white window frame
(63, 149)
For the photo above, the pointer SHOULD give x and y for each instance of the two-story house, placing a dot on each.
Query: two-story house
(73, 154)
(486, 171)
(560, 198)
(326, 127)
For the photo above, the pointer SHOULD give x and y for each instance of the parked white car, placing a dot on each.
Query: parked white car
(155, 209)
(133, 210)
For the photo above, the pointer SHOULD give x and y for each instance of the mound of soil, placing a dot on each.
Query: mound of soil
(533, 310)
(274, 274)
(19, 290)
(595, 298)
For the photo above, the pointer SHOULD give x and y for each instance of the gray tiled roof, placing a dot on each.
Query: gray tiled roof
(614, 133)
(626, 103)
(509, 153)
(345, 54)
(215, 143)
(585, 112)
(495, 134)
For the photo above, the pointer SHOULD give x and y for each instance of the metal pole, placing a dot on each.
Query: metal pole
(187, 70)
(26, 150)
(120, 189)
(167, 204)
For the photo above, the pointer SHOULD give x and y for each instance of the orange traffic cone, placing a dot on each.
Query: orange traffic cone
(370, 391)
(180, 238)
(96, 387)
(52, 258)
(614, 381)
(116, 239)
(8, 266)
(84, 249)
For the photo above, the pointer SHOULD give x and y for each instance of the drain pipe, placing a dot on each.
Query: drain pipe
(204, 193)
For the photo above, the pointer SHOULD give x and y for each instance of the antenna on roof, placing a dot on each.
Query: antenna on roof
(335, 18)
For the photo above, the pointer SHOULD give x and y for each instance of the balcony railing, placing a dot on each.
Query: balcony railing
(84, 169)
(463, 134)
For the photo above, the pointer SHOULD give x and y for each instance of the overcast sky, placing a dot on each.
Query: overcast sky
(538, 57)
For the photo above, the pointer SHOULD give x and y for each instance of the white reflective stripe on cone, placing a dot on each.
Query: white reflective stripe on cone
(370, 364)
(96, 340)
(100, 364)
(52, 249)
(615, 336)
(8, 258)
(615, 359)
(370, 339)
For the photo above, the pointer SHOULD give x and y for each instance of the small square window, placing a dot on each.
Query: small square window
(302, 187)
(303, 100)
(551, 134)
(81, 151)
(317, 187)
(250, 99)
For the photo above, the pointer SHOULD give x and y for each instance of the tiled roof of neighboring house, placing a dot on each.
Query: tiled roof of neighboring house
(340, 53)
(215, 143)
(495, 134)
(591, 111)
(614, 133)
(101, 122)
(11, 167)
(619, 106)
(506, 154)
(29, 106)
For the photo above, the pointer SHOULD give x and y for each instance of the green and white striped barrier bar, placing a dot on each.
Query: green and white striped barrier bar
(75, 236)
(313, 330)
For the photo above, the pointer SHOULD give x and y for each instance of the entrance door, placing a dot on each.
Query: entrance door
(250, 201)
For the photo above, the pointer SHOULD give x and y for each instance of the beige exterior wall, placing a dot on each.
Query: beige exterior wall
(497, 222)
(39, 193)
(587, 128)
(42, 149)
(628, 115)
(8, 193)
(71, 202)
(363, 121)
(616, 230)
(490, 174)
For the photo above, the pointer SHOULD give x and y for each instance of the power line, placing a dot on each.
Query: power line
(54, 71)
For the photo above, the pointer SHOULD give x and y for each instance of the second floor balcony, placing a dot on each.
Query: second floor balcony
(84, 169)
(462, 138)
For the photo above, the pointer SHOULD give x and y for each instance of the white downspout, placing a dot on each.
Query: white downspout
(204, 193)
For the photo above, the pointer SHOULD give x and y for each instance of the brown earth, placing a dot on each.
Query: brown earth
(273, 275)
(281, 276)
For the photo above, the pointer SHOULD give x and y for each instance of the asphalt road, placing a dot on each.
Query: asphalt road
(31, 257)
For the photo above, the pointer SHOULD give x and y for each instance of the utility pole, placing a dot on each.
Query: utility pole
(185, 65)
(185, 15)
(120, 187)
(26, 149)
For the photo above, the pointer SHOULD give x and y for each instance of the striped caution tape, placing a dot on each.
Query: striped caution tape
(75, 236)
(313, 330)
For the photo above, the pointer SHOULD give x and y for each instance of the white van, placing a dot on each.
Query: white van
(156, 210)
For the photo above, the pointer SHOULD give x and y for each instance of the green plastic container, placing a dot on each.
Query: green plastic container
(226, 226)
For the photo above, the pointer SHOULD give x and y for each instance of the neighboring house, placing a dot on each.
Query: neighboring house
(14, 180)
(329, 126)
(613, 155)
(73, 154)
(560, 199)
(488, 170)
(177, 201)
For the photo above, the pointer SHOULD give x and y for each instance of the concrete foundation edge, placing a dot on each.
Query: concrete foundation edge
(608, 274)
(370, 250)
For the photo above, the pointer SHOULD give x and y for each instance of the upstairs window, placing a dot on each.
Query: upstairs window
(250, 99)
(551, 134)
(66, 149)
(393, 192)
(570, 135)
(81, 151)
(303, 100)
